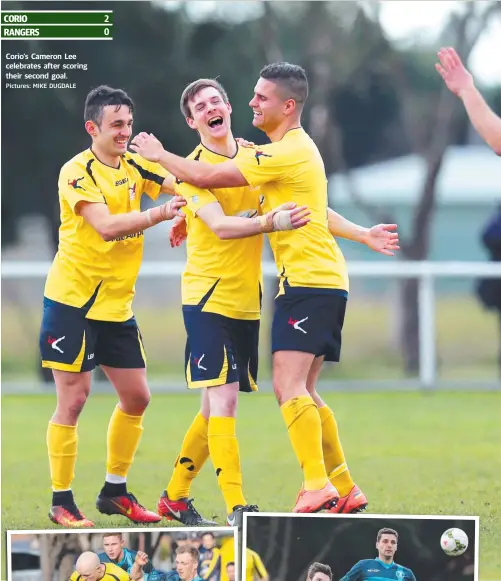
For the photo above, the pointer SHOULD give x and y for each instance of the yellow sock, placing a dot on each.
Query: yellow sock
(124, 433)
(62, 442)
(305, 432)
(194, 452)
(223, 448)
(335, 463)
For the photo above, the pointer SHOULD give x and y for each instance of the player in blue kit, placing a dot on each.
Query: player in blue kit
(383, 567)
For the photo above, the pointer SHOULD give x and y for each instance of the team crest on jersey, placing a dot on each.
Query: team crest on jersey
(400, 574)
(259, 154)
(132, 192)
(74, 183)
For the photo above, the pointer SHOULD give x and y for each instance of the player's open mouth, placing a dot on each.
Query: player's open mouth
(215, 121)
(121, 141)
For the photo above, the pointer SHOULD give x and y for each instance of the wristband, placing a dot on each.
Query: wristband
(148, 217)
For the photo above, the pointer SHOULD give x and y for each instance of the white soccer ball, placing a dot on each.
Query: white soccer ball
(454, 542)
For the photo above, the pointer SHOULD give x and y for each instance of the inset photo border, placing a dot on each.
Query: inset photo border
(53, 555)
(286, 547)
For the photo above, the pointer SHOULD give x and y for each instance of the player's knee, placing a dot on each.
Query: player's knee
(138, 402)
(75, 406)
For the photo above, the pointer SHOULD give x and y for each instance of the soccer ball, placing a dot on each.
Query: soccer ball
(454, 542)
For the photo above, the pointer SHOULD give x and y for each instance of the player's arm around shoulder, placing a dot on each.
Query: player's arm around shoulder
(198, 173)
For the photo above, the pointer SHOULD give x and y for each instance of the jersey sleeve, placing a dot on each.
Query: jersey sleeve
(152, 174)
(354, 574)
(410, 575)
(196, 198)
(76, 184)
(267, 163)
(259, 567)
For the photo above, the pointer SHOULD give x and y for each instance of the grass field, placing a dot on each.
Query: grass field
(411, 453)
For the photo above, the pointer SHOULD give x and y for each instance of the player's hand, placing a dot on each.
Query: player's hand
(171, 209)
(178, 232)
(451, 69)
(244, 143)
(288, 216)
(383, 238)
(141, 558)
(148, 146)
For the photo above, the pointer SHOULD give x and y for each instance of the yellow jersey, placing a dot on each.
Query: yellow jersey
(224, 276)
(254, 566)
(87, 271)
(112, 572)
(292, 170)
(227, 552)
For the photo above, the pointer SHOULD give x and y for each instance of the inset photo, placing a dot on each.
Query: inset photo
(123, 555)
(307, 547)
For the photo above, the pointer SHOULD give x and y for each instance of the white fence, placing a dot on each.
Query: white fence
(426, 272)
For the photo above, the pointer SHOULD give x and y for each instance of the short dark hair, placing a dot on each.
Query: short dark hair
(194, 88)
(102, 96)
(291, 79)
(386, 531)
(319, 568)
(231, 563)
(208, 533)
(188, 549)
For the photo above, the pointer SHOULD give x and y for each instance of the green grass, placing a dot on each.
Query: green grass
(411, 453)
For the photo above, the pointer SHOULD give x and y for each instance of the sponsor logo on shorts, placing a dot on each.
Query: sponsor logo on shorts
(198, 362)
(54, 343)
(297, 324)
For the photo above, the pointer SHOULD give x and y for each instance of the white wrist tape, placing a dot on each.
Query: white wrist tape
(282, 221)
(148, 217)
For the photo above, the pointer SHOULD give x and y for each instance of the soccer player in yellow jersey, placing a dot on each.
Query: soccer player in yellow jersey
(89, 568)
(311, 303)
(87, 315)
(254, 567)
(221, 297)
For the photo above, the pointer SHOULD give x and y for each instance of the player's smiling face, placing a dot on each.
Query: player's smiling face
(268, 105)
(112, 136)
(113, 547)
(211, 115)
(387, 547)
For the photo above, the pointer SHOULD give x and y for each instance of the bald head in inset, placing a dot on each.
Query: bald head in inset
(89, 566)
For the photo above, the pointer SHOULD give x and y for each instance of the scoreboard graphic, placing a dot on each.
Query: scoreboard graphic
(57, 24)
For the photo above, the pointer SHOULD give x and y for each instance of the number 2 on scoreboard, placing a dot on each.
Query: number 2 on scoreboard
(106, 18)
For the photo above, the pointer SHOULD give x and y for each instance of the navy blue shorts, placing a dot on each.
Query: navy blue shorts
(220, 350)
(71, 342)
(309, 320)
